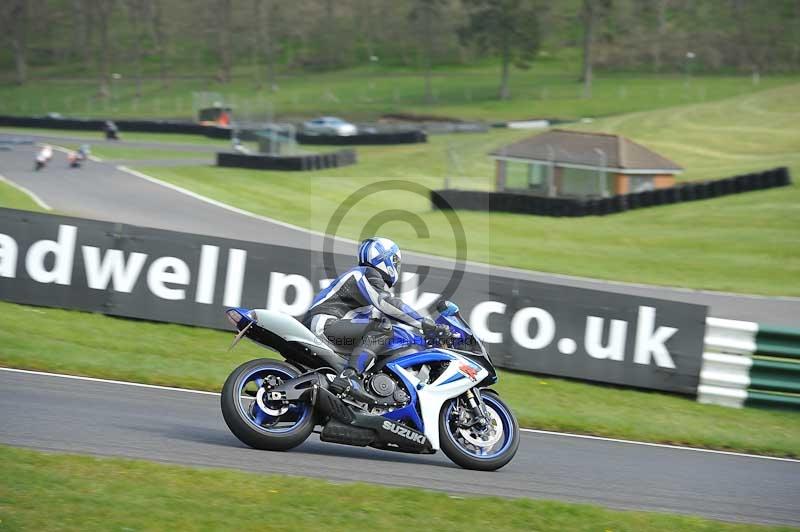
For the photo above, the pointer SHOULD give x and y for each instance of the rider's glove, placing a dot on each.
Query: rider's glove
(431, 330)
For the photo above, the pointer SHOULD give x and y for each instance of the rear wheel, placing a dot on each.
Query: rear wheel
(256, 421)
(482, 446)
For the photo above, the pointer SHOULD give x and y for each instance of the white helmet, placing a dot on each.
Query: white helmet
(383, 255)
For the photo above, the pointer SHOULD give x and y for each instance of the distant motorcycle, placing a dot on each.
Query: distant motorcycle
(111, 130)
(43, 156)
(431, 393)
(77, 158)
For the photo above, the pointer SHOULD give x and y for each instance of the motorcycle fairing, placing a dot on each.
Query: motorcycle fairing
(286, 335)
(460, 375)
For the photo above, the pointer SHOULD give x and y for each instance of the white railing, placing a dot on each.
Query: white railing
(727, 358)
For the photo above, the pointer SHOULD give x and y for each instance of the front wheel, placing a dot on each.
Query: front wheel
(256, 421)
(485, 446)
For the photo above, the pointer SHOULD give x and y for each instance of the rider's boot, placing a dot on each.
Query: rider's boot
(350, 381)
(349, 384)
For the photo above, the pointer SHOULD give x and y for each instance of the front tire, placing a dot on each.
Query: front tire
(251, 424)
(465, 449)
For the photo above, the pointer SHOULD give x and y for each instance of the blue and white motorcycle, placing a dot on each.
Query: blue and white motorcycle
(430, 393)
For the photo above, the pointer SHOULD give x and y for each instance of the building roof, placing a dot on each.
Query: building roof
(594, 150)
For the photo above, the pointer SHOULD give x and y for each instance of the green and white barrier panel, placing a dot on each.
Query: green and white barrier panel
(748, 364)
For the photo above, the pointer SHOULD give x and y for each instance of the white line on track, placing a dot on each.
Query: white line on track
(494, 267)
(107, 381)
(225, 206)
(533, 431)
(39, 201)
(663, 445)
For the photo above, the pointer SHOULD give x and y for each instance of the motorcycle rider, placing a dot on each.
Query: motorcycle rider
(43, 156)
(354, 309)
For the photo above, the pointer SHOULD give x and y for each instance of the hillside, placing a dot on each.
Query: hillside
(548, 89)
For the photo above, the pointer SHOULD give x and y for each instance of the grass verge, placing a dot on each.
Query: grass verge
(137, 153)
(42, 491)
(744, 243)
(188, 357)
(13, 198)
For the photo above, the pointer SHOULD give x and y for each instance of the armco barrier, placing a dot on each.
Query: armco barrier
(313, 161)
(518, 202)
(400, 137)
(745, 364)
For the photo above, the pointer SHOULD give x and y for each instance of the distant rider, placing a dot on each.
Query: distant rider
(353, 311)
(43, 156)
(75, 158)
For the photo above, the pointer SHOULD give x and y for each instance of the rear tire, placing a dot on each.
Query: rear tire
(242, 424)
(458, 452)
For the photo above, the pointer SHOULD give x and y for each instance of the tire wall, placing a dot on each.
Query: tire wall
(522, 203)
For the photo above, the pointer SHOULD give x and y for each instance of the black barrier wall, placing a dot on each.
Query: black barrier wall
(184, 278)
(309, 161)
(191, 128)
(402, 137)
(522, 203)
(141, 126)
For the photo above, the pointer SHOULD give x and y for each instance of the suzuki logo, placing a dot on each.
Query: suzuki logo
(405, 432)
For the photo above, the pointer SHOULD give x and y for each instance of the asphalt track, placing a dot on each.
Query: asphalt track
(55, 413)
(62, 414)
(103, 191)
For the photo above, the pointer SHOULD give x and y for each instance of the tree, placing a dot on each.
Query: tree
(263, 40)
(18, 22)
(225, 39)
(160, 38)
(661, 30)
(136, 15)
(426, 15)
(590, 14)
(103, 10)
(507, 27)
(82, 23)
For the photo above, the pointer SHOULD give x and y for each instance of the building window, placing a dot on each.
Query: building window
(526, 176)
(641, 183)
(579, 182)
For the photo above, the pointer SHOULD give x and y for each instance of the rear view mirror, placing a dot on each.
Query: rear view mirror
(446, 308)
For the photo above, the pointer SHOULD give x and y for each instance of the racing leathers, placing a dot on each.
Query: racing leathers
(350, 314)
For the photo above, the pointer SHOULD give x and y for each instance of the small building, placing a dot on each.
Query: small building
(218, 115)
(563, 163)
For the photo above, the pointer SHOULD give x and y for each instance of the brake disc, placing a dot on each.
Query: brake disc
(486, 437)
(263, 406)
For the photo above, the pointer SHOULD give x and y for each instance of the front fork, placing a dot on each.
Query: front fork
(476, 409)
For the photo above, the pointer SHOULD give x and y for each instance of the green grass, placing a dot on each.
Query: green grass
(745, 243)
(13, 198)
(166, 138)
(175, 355)
(549, 89)
(44, 491)
(136, 153)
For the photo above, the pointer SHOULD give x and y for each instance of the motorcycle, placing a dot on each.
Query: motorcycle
(430, 393)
